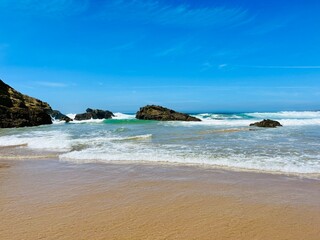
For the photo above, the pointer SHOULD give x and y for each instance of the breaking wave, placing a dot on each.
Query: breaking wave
(220, 140)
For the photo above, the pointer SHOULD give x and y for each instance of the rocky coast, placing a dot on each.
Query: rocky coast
(19, 110)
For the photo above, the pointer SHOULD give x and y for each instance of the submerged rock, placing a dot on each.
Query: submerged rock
(267, 123)
(19, 110)
(94, 114)
(57, 115)
(153, 112)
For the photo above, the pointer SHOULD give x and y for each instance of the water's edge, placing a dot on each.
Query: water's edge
(223, 141)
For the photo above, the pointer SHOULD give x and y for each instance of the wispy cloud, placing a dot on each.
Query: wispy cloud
(123, 46)
(52, 84)
(225, 88)
(278, 67)
(169, 51)
(267, 28)
(158, 12)
(272, 25)
(176, 49)
(208, 66)
(126, 45)
(222, 66)
(183, 47)
(223, 55)
(150, 11)
(48, 7)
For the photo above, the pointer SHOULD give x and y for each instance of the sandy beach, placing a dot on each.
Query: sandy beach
(159, 120)
(48, 199)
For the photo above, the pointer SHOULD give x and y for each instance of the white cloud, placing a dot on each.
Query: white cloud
(222, 66)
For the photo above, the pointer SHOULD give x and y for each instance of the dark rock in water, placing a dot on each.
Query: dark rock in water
(94, 114)
(19, 110)
(267, 123)
(57, 115)
(153, 112)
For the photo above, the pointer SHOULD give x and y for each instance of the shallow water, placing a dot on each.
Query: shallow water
(220, 140)
(59, 200)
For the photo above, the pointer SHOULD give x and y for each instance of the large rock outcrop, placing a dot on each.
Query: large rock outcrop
(19, 110)
(153, 112)
(57, 115)
(267, 123)
(94, 114)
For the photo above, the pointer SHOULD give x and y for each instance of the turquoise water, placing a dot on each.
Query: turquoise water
(220, 140)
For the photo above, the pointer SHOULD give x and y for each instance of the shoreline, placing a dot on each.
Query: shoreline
(55, 155)
(23, 153)
(310, 176)
(61, 200)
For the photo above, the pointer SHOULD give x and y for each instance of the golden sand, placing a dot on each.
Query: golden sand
(54, 200)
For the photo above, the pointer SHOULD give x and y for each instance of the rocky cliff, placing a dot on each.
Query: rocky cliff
(19, 110)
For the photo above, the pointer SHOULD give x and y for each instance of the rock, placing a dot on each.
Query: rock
(57, 115)
(94, 114)
(19, 110)
(153, 112)
(267, 123)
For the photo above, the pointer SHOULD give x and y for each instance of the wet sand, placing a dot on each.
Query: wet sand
(55, 200)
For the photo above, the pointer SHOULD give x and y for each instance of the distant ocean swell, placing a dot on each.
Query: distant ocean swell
(288, 118)
(220, 140)
(244, 119)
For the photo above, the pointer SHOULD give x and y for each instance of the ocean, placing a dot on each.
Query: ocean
(219, 141)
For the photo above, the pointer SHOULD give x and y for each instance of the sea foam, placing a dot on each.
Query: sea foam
(45, 140)
(220, 140)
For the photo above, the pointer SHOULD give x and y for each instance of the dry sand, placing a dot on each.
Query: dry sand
(54, 200)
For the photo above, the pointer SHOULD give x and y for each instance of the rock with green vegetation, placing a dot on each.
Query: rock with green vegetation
(19, 110)
(153, 112)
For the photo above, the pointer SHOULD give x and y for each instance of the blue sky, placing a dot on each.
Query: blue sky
(188, 55)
